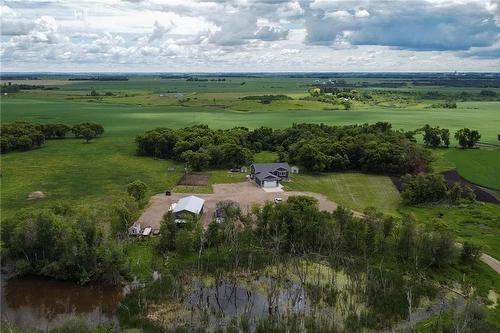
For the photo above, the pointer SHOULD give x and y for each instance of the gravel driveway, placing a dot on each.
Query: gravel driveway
(246, 194)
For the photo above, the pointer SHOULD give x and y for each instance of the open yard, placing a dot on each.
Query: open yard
(245, 194)
(353, 190)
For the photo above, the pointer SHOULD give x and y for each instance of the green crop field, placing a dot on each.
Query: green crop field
(73, 170)
(480, 166)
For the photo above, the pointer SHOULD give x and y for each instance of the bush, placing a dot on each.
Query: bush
(423, 188)
(184, 241)
(470, 252)
(137, 189)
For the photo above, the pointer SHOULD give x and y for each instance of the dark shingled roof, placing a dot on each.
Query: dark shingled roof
(269, 167)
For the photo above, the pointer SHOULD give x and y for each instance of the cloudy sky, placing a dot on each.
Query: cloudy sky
(250, 35)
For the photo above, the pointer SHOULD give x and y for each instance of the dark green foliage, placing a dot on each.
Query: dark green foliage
(184, 241)
(88, 134)
(126, 210)
(20, 136)
(137, 189)
(468, 194)
(27, 136)
(467, 138)
(435, 136)
(372, 148)
(199, 146)
(488, 93)
(81, 129)
(168, 231)
(197, 160)
(423, 188)
(266, 99)
(470, 252)
(455, 193)
(68, 247)
(54, 131)
(445, 105)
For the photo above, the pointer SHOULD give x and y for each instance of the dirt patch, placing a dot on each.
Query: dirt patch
(451, 177)
(194, 179)
(482, 194)
(245, 193)
(36, 195)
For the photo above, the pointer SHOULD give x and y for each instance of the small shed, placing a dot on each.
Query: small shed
(147, 231)
(294, 169)
(135, 229)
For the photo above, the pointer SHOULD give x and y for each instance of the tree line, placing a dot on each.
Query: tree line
(26, 136)
(440, 137)
(315, 147)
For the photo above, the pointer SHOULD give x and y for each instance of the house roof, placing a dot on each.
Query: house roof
(265, 176)
(269, 167)
(191, 204)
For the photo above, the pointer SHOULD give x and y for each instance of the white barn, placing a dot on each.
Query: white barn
(191, 205)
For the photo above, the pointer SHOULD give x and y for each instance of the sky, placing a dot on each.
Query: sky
(249, 35)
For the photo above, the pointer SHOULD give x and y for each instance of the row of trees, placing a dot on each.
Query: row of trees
(440, 137)
(432, 188)
(26, 136)
(315, 147)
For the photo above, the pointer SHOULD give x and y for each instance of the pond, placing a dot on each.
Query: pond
(44, 303)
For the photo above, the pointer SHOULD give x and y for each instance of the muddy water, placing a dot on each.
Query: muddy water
(42, 303)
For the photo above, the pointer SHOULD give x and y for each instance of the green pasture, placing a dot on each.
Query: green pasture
(480, 166)
(78, 172)
(129, 120)
(356, 191)
(478, 223)
(72, 170)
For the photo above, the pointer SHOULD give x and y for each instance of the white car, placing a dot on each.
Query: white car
(278, 200)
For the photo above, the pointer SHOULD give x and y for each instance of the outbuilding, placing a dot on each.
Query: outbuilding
(190, 205)
(135, 229)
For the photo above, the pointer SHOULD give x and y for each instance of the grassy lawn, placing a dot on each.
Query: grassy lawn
(353, 190)
(140, 254)
(77, 172)
(479, 223)
(480, 166)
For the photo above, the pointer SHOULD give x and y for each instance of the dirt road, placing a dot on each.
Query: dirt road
(246, 194)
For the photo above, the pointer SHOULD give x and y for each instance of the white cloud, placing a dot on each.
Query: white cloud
(250, 35)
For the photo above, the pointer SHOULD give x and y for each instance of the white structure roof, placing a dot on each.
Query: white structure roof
(146, 231)
(190, 204)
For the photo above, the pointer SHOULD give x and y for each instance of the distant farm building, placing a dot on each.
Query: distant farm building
(269, 174)
(294, 169)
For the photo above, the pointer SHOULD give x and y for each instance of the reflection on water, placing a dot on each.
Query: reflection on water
(43, 303)
(226, 299)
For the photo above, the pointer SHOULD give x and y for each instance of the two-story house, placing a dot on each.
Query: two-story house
(269, 174)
